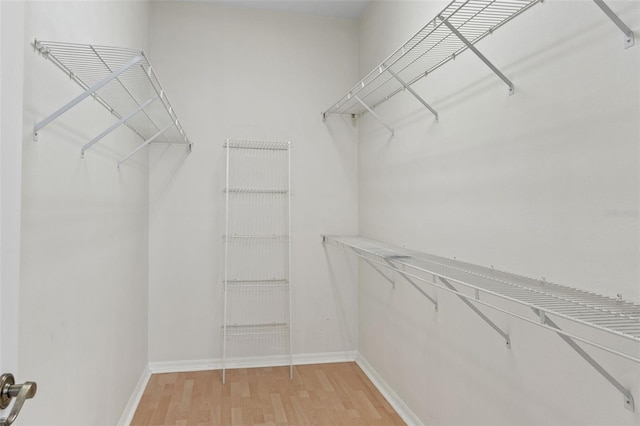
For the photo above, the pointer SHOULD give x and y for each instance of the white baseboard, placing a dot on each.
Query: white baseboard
(390, 395)
(132, 405)
(251, 362)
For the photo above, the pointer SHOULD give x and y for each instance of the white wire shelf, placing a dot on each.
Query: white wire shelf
(256, 191)
(259, 145)
(255, 237)
(266, 283)
(121, 80)
(548, 301)
(257, 330)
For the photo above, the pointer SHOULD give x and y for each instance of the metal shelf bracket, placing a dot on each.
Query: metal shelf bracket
(391, 280)
(629, 39)
(628, 397)
(374, 115)
(616, 317)
(116, 125)
(471, 47)
(122, 81)
(413, 283)
(413, 92)
(471, 306)
(389, 264)
(83, 95)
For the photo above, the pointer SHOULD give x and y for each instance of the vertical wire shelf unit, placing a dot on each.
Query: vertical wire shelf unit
(257, 252)
(608, 324)
(457, 28)
(122, 81)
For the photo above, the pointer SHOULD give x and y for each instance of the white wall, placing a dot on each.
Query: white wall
(11, 25)
(235, 73)
(542, 183)
(83, 295)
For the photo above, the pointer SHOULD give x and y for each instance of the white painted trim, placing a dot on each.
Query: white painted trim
(136, 396)
(403, 410)
(251, 362)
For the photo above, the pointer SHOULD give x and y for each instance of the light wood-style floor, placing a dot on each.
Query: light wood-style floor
(323, 394)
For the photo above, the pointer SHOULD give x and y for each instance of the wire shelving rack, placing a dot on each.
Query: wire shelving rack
(484, 287)
(457, 28)
(257, 252)
(121, 80)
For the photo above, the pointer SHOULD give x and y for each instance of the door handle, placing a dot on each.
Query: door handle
(8, 391)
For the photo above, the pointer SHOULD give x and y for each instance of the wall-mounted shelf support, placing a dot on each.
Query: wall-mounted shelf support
(145, 143)
(90, 91)
(413, 92)
(373, 265)
(389, 264)
(478, 312)
(124, 92)
(629, 38)
(617, 318)
(374, 114)
(413, 283)
(471, 47)
(628, 397)
(116, 125)
(458, 27)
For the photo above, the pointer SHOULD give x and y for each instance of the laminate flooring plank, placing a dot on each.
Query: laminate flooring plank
(322, 395)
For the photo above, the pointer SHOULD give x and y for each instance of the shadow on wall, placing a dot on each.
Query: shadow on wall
(338, 290)
(170, 175)
(554, 51)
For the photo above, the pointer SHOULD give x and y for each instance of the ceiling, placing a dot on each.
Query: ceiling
(347, 9)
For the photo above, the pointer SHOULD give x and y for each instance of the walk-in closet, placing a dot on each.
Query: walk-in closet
(320, 212)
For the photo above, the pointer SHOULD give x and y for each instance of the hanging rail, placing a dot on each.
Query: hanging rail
(458, 27)
(122, 81)
(613, 316)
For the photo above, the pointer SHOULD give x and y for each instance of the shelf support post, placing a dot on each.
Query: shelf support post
(374, 115)
(628, 397)
(478, 54)
(115, 125)
(478, 312)
(628, 34)
(413, 92)
(90, 91)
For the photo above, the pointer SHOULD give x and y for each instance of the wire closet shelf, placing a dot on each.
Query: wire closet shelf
(614, 316)
(123, 81)
(433, 46)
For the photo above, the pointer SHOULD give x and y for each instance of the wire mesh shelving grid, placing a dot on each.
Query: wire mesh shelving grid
(614, 316)
(123, 81)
